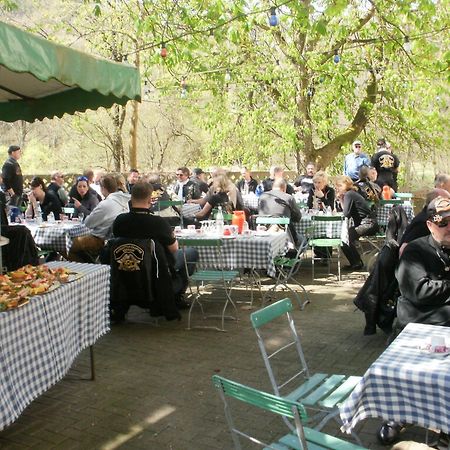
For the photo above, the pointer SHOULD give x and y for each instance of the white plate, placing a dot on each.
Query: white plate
(262, 233)
(228, 237)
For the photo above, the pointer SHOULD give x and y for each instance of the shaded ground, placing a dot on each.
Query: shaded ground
(153, 387)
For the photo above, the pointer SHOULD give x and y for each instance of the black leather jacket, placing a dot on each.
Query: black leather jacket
(423, 276)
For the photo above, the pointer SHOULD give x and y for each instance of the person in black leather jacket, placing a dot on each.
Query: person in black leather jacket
(423, 272)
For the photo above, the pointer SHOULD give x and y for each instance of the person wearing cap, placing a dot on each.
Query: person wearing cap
(12, 176)
(354, 161)
(423, 273)
(199, 177)
(386, 164)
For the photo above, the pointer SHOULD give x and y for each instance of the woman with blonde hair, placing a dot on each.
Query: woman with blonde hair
(355, 207)
(321, 195)
(221, 185)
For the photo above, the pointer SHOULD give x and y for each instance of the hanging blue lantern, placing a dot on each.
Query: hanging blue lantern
(336, 57)
(273, 19)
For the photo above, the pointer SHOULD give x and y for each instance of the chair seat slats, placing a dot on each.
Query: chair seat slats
(307, 387)
(327, 386)
(212, 275)
(341, 393)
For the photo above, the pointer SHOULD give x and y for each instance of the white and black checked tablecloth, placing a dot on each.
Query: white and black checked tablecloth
(57, 237)
(250, 201)
(405, 384)
(332, 230)
(383, 213)
(190, 209)
(255, 252)
(39, 341)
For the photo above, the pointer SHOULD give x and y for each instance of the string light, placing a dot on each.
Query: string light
(273, 19)
(163, 52)
(146, 91)
(407, 44)
(211, 37)
(336, 57)
(183, 84)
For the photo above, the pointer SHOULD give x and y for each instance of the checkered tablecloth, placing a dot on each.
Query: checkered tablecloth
(256, 252)
(383, 213)
(321, 229)
(250, 201)
(57, 237)
(39, 341)
(405, 384)
(190, 209)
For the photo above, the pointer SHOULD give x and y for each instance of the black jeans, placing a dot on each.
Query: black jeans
(367, 227)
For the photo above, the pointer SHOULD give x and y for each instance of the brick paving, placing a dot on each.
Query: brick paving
(153, 388)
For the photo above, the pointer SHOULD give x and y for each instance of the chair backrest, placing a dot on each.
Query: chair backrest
(200, 242)
(215, 244)
(263, 317)
(227, 217)
(263, 400)
(404, 195)
(325, 218)
(166, 203)
(326, 225)
(264, 220)
(394, 201)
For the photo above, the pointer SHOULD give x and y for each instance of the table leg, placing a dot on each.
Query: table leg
(91, 352)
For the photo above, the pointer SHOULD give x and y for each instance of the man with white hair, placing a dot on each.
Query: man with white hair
(354, 161)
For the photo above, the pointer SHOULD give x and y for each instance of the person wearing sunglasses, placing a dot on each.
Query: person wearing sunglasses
(355, 160)
(423, 273)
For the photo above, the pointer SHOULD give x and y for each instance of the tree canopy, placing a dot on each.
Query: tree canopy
(288, 82)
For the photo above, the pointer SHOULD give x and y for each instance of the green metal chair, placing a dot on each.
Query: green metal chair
(216, 276)
(266, 220)
(287, 268)
(301, 438)
(317, 239)
(320, 392)
(393, 201)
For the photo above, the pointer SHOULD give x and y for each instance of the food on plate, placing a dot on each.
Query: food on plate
(18, 286)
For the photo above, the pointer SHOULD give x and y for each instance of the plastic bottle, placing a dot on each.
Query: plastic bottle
(219, 221)
(38, 213)
(245, 227)
(386, 194)
(238, 219)
(51, 217)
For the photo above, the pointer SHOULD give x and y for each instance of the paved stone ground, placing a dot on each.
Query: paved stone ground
(153, 387)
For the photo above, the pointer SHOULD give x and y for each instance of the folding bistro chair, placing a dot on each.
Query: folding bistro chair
(216, 276)
(301, 438)
(287, 268)
(320, 226)
(320, 392)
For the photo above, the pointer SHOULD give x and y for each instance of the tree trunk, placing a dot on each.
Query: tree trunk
(324, 155)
